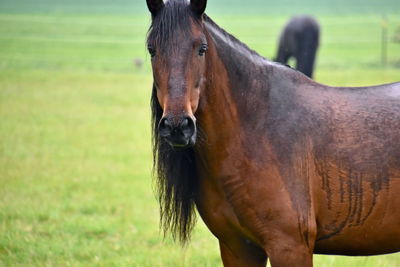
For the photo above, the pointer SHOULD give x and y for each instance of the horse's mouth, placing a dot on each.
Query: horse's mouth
(182, 143)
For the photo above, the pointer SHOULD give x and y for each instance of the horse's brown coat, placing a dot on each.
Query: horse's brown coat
(284, 167)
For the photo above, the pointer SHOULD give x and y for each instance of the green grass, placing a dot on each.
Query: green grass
(259, 7)
(75, 157)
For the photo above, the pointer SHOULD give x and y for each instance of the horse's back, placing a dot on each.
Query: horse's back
(300, 23)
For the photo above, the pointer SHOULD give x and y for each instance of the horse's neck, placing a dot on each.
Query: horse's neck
(235, 97)
(237, 58)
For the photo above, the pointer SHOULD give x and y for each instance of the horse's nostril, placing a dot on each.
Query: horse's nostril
(187, 127)
(185, 123)
(177, 131)
(164, 127)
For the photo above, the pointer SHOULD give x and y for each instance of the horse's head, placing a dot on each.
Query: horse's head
(177, 44)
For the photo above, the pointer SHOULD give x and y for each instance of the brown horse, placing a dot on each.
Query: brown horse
(277, 165)
(299, 39)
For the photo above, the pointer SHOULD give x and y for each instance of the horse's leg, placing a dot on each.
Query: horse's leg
(241, 255)
(306, 53)
(305, 61)
(288, 253)
(291, 258)
(283, 54)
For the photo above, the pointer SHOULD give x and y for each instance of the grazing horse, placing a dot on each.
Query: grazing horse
(278, 166)
(299, 39)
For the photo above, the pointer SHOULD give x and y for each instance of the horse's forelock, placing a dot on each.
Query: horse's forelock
(173, 21)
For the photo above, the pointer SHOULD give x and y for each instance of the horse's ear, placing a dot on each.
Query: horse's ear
(155, 6)
(198, 6)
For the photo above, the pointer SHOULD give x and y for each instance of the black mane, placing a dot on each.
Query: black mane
(175, 171)
(230, 38)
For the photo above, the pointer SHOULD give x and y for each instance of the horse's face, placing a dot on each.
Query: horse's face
(177, 50)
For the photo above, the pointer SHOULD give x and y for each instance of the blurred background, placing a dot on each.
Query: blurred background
(75, 154)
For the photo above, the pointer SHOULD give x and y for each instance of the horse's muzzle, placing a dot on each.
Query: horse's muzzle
(178, 132)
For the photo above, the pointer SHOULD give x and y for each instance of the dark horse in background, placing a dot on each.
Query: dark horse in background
(299, 39)
(278, 166)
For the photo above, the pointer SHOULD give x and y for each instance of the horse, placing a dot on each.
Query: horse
(278, 166)
(299, 39)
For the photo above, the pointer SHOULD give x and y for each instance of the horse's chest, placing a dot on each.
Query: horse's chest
(240, 205)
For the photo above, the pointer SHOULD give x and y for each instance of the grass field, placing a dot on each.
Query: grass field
(75, 158)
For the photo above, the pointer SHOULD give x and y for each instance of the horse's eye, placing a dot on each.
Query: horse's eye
(203, 49)
(152, 51)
